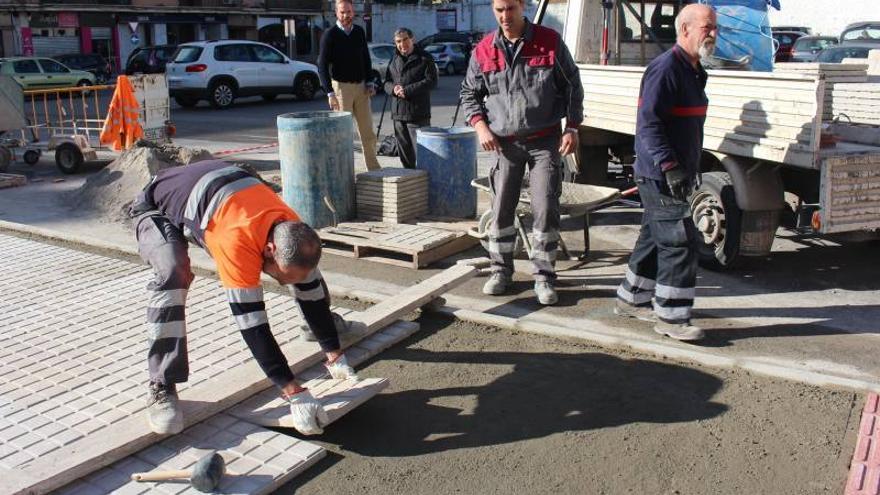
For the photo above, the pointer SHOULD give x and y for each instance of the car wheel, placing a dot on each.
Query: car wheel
(31, 157)
(269, 97)
(69, 158)
(450, 69)
(222, 95)
(305, 88)
(186, 101)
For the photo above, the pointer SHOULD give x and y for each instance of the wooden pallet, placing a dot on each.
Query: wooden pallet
(411, 246)
(12, 180)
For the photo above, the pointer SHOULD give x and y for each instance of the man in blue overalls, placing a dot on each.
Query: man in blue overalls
(662, 270)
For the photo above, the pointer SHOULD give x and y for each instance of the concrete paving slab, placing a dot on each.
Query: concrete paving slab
(258, 461)
(864, 474)
(87, 311)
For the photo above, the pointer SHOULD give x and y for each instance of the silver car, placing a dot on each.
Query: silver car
(806, 48)
(451, 58)
(380, 56)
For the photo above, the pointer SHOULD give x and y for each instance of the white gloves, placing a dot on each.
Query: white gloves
(340, 370)
(307, 413)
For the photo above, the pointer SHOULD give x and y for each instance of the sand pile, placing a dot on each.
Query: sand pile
(110, 192)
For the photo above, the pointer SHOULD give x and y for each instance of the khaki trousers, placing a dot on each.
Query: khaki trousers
(353, 97)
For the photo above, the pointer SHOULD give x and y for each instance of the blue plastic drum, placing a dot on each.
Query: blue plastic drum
(450, 158)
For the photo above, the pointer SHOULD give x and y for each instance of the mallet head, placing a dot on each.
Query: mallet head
(206, 473)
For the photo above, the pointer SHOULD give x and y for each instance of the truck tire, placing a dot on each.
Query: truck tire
(31, 157)
(69, 158)
(718, 220)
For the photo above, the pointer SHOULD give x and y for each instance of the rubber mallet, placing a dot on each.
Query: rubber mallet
(204, 476)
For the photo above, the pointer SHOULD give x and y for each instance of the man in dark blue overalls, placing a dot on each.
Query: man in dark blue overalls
(669, 140)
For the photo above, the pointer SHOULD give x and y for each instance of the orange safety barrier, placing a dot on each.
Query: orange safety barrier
(121, 128)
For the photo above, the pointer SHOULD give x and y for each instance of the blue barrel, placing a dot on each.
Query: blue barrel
(450, 158)
(317, 160)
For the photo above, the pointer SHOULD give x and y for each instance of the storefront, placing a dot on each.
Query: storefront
(96, 35)
(54, 33)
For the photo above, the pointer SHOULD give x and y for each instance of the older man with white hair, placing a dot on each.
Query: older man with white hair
(661, 276)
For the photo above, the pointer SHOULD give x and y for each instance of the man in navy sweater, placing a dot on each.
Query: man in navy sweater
(344, 68)
(669, 140)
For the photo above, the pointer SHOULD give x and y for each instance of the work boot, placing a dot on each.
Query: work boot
(679, 331)
(497, 284)
(644, 313)
(546, 293)
(163, 409)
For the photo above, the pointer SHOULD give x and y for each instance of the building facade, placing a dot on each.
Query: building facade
(115, 28)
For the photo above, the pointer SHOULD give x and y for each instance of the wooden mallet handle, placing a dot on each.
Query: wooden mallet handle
(161, 475)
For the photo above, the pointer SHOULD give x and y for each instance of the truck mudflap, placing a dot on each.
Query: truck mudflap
(757, 231)
(849, 197)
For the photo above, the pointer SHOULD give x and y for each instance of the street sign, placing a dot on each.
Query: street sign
(135, 39)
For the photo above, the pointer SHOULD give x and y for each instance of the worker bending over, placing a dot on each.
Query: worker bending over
(247, 230)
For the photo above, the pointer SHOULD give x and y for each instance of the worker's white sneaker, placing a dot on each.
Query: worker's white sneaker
(679, 331)
(163, 409)
(546, 293)
(497, 284)
(644, 313)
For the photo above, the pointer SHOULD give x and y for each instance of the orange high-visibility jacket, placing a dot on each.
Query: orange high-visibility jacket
(121, 127)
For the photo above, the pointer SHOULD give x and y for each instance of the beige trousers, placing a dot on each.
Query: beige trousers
(353, 97)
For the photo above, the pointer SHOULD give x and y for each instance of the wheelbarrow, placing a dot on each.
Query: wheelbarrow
(576, 200)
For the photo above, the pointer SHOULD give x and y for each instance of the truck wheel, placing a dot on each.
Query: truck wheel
(68, 158)
(718, 220)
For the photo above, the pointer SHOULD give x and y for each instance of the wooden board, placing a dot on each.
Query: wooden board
(12, 180)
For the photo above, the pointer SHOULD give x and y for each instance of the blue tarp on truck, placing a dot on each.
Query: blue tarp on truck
(744, 31)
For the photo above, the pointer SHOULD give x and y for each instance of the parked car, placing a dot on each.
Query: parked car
(89, 62)
(836, 54)
(149, 59)
(451, 58)
(784, 41)
(221, 71)
(468, 38)
(44, 73)
(806, 48)
(380, 56)
(861, 33)
(799, 29)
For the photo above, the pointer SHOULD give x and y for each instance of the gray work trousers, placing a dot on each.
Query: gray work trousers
(506, 178)
(163, 246)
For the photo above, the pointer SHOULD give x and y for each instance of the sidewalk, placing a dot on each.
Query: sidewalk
(808, 313)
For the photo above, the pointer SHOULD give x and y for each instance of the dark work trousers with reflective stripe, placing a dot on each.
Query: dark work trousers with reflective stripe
(506, 178)
(405, 133)
(163, 246)
(663, 265)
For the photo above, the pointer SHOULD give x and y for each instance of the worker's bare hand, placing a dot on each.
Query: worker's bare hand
(398, 91)
(334, 103)
(371, 90)
(568, 143)
(487, 139)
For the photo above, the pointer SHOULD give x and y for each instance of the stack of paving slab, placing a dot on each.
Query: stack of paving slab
(393, 195)
(841, 79)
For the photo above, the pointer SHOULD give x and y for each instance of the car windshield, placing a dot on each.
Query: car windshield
(836, 55)
(435, 48)
(814, 43)
(866, 33)
(186, 54)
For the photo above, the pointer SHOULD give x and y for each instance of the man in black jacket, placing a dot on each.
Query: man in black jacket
(344, 68)
(409, 79)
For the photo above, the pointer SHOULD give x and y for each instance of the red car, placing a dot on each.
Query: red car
(784, 41)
